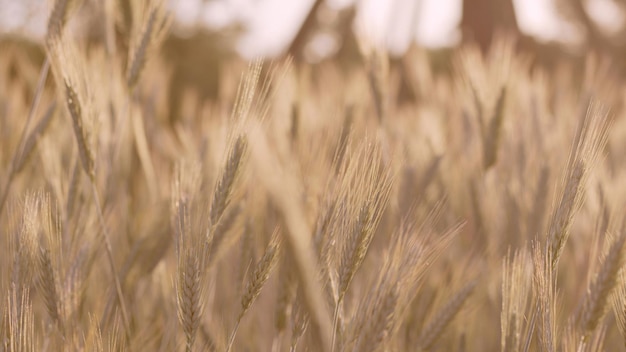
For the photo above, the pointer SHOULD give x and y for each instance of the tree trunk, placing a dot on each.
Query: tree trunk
(482, 18)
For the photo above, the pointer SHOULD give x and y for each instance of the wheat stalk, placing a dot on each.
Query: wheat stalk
(22, 152)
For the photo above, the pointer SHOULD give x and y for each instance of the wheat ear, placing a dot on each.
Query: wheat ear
(381, 324)
(189, 293)
(298, 232)
(545, 295)
(225, 185)
(152, 32)
(300, 322)
(433, 330)
(256, 282)
(596, 301)
(27, 243)
(514, 300)
(590, 139)
(87, 161)
(58, 18)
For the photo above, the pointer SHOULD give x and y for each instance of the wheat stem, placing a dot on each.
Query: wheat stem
(43, 74)
(109, 252)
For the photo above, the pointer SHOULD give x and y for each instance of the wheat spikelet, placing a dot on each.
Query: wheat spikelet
(260, 274)
(58, 18)
(564, 215)
(47, 274)
(138, 58)
(224, 188)
(381, 324)
(257, 280)
(189, 294)
(544, 291)
(618, 300)
(75, 282)
(300, 322)
(441, 319)
(377, 318)
(27, 243)
(372, 324)
(21, 322)
(358, 244)
(514, 300)
(48, 285)
(359, 239)
(282, 194)
(191, 250)
(596, 300)
(84, 151)
(87, 162)
(150, 33)
(590, 140)
(374, 186)
(70, 71)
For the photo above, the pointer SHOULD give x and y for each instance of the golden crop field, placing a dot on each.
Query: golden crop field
(473, 201)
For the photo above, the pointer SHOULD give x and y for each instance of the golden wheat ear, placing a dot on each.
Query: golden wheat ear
(445, 315)
(515, 291)
(591, 138)
(59, 16)
(256, 281)
(596, 301)
(70, 69)
(149, 31)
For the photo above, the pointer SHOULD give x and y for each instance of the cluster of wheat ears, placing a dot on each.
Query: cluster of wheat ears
(308, 208)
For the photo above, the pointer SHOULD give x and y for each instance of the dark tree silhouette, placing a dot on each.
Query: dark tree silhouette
(482, 18)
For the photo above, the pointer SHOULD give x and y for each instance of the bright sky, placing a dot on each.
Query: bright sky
(387, 21)
(272, 23)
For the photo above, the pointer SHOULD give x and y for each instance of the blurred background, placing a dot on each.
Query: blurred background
(320, 28)
(207, 33)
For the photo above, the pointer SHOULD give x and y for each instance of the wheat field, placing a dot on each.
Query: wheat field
(308, 207)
